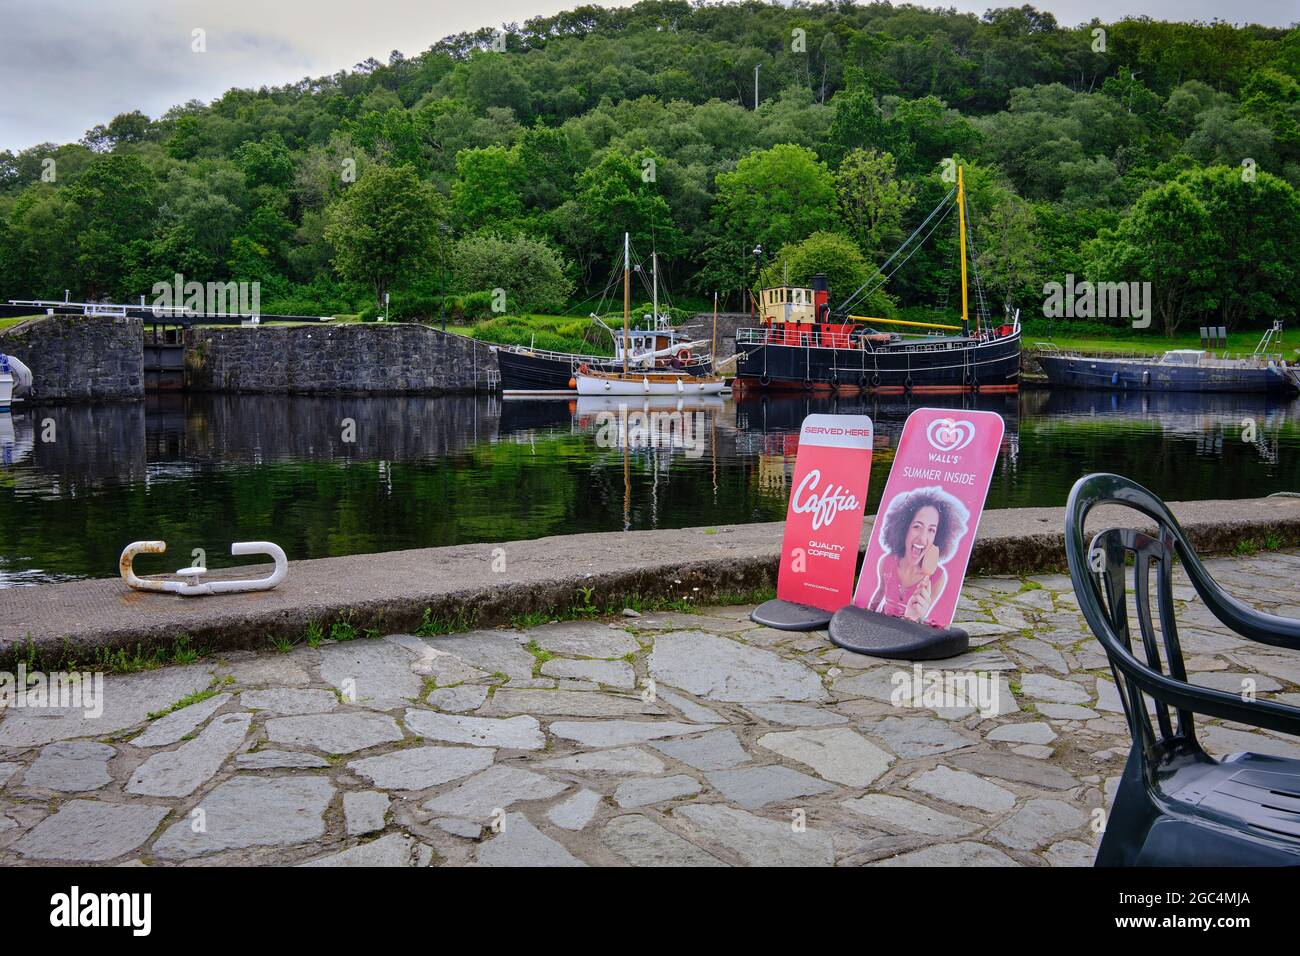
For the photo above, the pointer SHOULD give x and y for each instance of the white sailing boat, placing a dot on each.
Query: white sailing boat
(648, 382)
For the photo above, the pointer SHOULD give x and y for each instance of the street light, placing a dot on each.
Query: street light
(442, 254)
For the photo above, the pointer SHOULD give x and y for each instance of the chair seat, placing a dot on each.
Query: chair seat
(1242, 811)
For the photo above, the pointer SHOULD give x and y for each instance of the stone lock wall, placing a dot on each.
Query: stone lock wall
(77, 358)
(389, 358)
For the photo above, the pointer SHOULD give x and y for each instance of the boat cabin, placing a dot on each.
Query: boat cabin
(797, 316)
(1183, 357)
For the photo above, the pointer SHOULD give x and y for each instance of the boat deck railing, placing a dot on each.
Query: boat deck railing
(575, 359)
(1237, 359)
(845, 340)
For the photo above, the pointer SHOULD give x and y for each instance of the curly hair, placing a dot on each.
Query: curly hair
(953, 517)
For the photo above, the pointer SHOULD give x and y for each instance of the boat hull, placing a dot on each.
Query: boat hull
(683, 386)
(1117, 375)
(993, 366)
(532, 374)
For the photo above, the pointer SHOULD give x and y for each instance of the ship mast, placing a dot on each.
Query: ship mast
(654, 288)
(627, 297)
(961, 225)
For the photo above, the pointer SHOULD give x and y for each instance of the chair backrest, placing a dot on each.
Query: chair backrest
(1097, 570)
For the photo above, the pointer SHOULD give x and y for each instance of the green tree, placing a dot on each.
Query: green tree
(384, 227)
(872, 201)
(533, 275)
(775, 196)
(837, 257)
(488, 187)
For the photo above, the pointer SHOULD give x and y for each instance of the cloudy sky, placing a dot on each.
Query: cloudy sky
(66, 65)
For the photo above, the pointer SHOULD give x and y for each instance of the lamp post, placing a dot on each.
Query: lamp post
(442, 254)
(758, 268)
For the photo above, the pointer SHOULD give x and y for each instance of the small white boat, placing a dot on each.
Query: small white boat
(655, 383)
(15, 380)
(630, 381)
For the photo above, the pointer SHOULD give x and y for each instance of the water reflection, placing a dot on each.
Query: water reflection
(327, 476)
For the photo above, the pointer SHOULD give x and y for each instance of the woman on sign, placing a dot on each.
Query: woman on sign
(920, 531)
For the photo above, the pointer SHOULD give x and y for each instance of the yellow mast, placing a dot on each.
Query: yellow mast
(961, 220)
(627, 298)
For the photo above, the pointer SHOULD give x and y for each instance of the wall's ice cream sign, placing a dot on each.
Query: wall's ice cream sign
(925, 527)
(823, 524)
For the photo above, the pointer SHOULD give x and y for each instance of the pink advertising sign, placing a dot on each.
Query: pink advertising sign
(925, 528)
(823, 523)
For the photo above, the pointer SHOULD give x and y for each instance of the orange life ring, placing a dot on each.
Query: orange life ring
(683, 355)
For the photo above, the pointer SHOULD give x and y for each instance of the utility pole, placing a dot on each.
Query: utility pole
(756, 66)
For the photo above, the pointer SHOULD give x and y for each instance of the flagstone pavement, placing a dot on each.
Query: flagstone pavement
(664, 739)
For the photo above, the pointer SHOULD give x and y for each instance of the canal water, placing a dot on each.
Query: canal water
(335, 476)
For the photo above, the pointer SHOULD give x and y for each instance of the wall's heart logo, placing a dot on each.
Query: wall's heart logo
(947, 434)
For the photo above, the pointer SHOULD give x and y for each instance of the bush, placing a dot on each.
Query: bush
(534, 276)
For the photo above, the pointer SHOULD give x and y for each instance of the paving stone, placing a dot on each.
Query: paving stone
(1053, 689)
(583, 639)
(1037, 751)
(680, 621)
(1280, 666)
(1041, 653)
(179, 724)
(963, 789)
(986, 629)
(917, 736)
(615, 733)
(71, 767)
(642, 842)
(834, 753)
(895, 813)
(335, 733)
(179, 772)
(1067, 711)
(364, 811)
(495, 788)
(490, 652)
(1036, 732)
(568, 703)
(717, 668)
(128, 700)
(289, 701)
(1221, 741)
(1235, 683)
(395, 849)
(796, 715)
(613, 673)
(757, 841)
(522, 844)
(715, 750)
(644, 791)
(619, 760)
(460, 699)
(1070, 853)
(951, 854)
(1036, 823)
(279, 760)
(374, 674)
(689, 708)
(281, 670)
(460, 828)
(251, 811)
(419, 768)
(7, 770)
(1017, 769)
(899, 687)
(576, 812)
(756, 787)
(87, 831)
(513, 733)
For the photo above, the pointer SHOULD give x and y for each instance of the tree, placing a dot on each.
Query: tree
(872, 201)
(384, 226)
(487, 189)
(775, 196)
(533, 275)
(835, 256)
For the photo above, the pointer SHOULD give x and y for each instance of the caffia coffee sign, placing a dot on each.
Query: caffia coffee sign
(925, 528)
(823, 524)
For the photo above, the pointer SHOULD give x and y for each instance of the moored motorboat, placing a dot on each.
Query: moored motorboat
(1177, 370)
(15, 380)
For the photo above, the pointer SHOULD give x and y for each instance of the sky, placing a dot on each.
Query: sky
(66, 65)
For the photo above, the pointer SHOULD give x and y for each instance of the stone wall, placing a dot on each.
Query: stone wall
(376, 359)
(80, 358)
(728, 322)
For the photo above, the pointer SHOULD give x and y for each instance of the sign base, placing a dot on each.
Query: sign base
(788, 616)
(879, 635)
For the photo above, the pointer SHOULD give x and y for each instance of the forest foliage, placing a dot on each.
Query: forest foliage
(515, 160)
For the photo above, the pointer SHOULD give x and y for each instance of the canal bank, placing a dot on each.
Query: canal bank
(455, 588)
